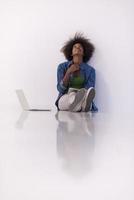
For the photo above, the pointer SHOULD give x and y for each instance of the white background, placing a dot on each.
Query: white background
(33, 32)
(66, 155)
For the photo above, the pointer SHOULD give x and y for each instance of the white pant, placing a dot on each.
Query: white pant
(67, 99)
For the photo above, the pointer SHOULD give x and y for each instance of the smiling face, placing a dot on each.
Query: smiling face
(77, 49)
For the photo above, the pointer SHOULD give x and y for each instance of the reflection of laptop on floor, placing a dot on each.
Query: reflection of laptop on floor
(24, 103)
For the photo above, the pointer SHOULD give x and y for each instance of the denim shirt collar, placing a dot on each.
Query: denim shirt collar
(82, 65)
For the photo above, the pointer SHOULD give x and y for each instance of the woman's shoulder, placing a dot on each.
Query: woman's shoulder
(64, 64)
(88, 67)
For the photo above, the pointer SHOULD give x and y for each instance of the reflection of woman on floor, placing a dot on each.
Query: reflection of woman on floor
(75, 78)
(75, 141)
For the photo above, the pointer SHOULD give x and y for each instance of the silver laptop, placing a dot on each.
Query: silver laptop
(24, 103)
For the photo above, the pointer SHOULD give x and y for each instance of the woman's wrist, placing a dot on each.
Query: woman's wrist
(66, 78)
(68, 72)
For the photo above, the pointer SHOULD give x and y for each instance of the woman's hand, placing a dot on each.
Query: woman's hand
(73, 68)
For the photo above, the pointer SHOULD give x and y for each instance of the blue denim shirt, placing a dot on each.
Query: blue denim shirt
(85, 70)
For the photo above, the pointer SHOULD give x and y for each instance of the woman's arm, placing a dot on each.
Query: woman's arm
(63, 77)
(91, 79)
(60, 75)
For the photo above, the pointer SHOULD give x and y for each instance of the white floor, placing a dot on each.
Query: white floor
(66, 156)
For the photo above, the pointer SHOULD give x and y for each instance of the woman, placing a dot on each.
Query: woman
(75, 78)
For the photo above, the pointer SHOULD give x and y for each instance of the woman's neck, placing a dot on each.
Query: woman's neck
(77, 59)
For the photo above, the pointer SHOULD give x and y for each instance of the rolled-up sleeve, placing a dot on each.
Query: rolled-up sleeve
(91, 79)
(60, 75)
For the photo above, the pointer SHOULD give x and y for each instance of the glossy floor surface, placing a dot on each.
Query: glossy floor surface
(66, 156)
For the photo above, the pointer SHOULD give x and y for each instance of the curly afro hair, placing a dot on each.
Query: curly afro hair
(86, 44)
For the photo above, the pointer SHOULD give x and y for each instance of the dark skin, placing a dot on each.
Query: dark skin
(77, 53)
